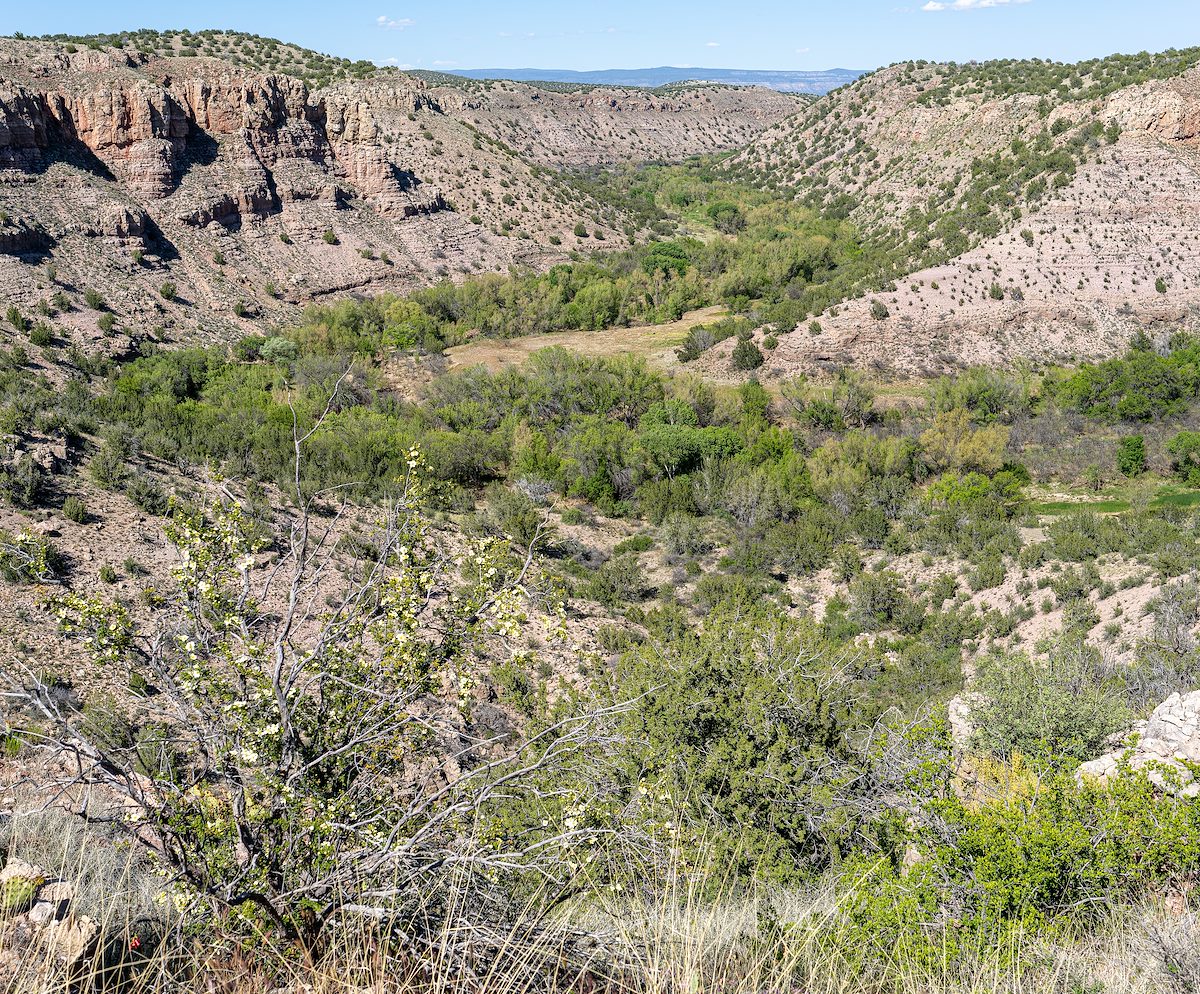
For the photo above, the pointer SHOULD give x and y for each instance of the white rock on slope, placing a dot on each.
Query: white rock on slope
(1170, 740)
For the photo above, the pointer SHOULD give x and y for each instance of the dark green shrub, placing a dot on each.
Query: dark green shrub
(635, 543)
(1131, 455)
(147, 494)
(746, 355)
(1184, 450)
(25, 484)
(619, 581)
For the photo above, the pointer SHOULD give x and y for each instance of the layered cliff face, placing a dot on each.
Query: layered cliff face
(251, 193)
(149, 130)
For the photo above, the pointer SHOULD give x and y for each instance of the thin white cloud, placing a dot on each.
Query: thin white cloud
(803, 51)
(712, 44)
(394, 23)
(936, 5)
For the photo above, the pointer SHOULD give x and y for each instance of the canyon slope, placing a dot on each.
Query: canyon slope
(181, 195)
(1032, 211)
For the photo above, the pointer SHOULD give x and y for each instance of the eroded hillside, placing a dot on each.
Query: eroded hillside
(177, 193)
(1050, 220)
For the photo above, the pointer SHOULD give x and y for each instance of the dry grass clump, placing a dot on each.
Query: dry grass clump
(680, 942)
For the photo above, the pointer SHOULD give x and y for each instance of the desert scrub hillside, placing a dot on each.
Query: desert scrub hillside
(1057, 82)
(934, 158)
(237, 47)
(1012, 208)
(657, 653)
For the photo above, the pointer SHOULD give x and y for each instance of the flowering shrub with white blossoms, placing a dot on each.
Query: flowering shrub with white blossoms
(312, 709)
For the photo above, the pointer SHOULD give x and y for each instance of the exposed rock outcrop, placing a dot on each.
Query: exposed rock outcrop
(127, 170)
(1167, 745)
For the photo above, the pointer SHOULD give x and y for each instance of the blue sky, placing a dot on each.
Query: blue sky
(745, 34)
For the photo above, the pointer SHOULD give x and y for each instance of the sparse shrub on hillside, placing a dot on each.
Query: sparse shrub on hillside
(847, 562)
(24, 484)
(74, 510)
(1184, 449)
(619, 581)
(879, 310)
(512, 513)
(1063, 707)
(1131, 455)
(93, 299)
(146, 494)
(107, 467)
(746, 355)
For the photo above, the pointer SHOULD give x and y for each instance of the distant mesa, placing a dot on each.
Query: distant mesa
(818, 81)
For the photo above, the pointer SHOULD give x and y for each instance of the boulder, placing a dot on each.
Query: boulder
(53, 903)
(1169, 743)
(70, 940)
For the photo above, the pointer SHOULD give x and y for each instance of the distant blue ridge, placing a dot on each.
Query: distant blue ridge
(788, 80)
